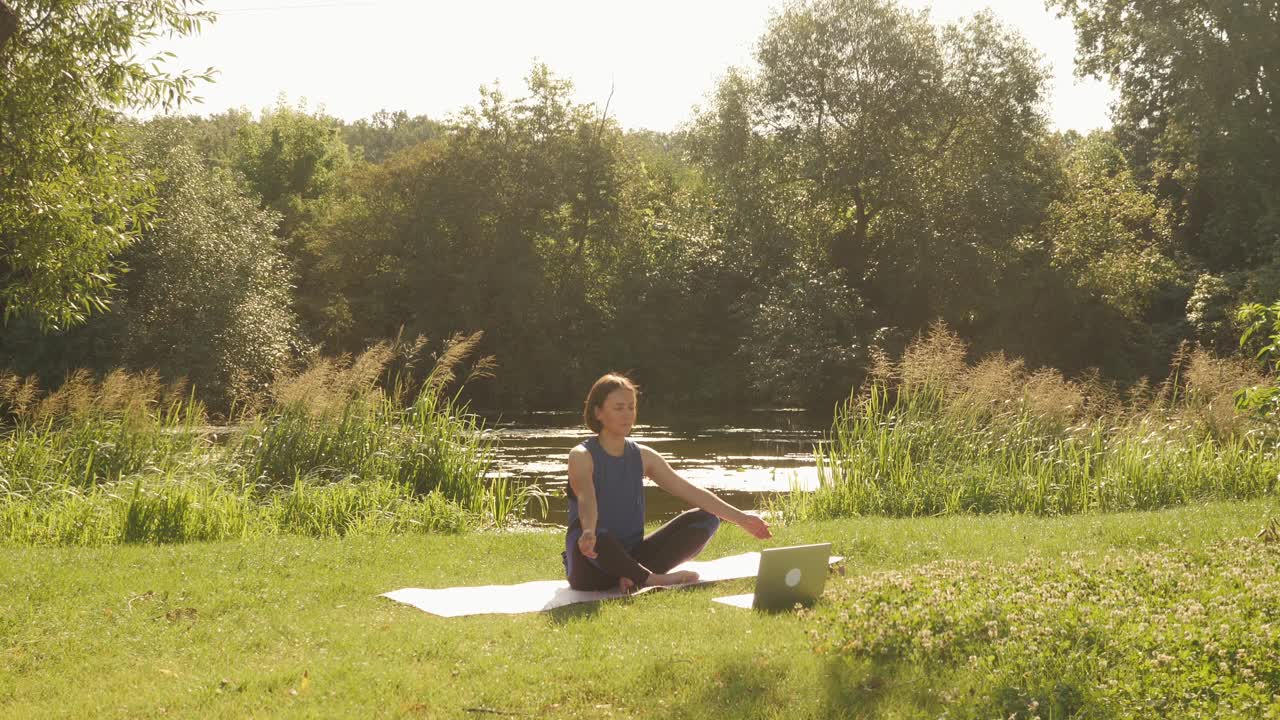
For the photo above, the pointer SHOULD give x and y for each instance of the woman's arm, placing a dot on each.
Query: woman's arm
(657, 470)
(580, 469)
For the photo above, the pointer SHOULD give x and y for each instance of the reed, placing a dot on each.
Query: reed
(347, 428)
(933, 435)
(340, 447)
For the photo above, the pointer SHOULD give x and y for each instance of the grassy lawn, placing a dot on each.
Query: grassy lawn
(293, 627)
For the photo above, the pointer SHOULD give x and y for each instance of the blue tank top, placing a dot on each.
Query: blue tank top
(619, 485)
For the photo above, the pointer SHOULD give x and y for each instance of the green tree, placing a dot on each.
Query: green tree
(387, 133)
(1199, 83)
(808, 343)
(206, 290)
(300, 166)
(217, 137)
(293, 159)
(921, 143)
(675, 289)
(853, 89)
(915, 156)
(509, 223)
(1210, 313)
(209, 290)
(69, 200)
(751, 184)
(1108, 233)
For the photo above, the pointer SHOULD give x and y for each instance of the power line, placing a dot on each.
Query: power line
(305, 6)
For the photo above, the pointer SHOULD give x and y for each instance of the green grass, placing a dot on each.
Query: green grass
(291, 626)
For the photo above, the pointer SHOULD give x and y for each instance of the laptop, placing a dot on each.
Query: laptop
(787, 575)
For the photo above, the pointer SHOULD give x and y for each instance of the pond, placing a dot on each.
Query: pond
(742, 459)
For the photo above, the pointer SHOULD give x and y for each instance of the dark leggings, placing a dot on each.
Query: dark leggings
(665, 548)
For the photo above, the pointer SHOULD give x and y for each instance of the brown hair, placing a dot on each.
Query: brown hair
(599, 391)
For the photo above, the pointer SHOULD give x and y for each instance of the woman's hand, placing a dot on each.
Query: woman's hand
(756, 526)
(587, 543)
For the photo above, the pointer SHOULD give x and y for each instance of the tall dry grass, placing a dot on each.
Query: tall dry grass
(1198, 391)
(349, 444)
(120, 394)
(934, 433)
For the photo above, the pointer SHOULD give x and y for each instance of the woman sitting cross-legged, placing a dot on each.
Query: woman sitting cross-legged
(605, 545)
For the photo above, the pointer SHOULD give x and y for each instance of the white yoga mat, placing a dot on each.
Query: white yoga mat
(738, 601)
(548, 594)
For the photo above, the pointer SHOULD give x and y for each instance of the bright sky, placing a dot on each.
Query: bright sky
(662, 57)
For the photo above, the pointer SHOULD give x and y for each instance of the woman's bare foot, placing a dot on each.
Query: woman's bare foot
(675, 578)
(626, 584)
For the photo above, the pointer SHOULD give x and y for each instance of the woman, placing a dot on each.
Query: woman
(605, 545)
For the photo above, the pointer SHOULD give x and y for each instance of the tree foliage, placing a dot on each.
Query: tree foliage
(1111, 235)
(808, 339)
(387, 133)
(914, 157)
(1199, 83)
(209, 289)
(871, 173)
(920, 141)
(1262, 327)
(69, 200)
(292, 159)
(501, 224)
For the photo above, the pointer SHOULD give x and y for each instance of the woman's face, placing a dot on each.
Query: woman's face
(618, 413)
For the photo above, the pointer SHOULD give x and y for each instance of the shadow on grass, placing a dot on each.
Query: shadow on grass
(757, 688)
(735, 689)
(869, 689)
(579, 611)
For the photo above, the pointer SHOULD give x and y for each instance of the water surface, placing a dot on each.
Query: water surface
(741, 459)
